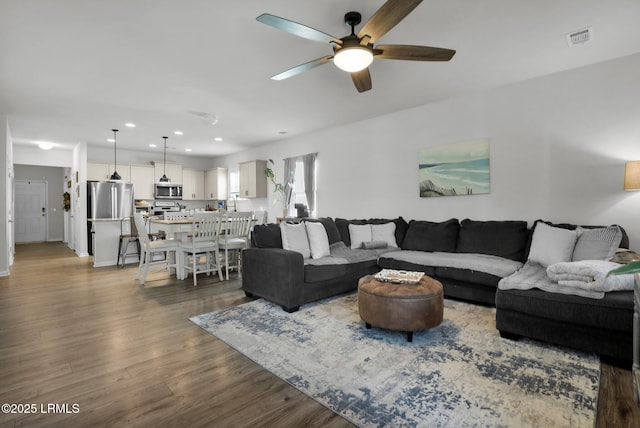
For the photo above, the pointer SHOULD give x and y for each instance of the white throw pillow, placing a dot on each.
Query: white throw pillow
(359, 233)
(294, 238)
(551, 245)
(384, 232)
(318, 239)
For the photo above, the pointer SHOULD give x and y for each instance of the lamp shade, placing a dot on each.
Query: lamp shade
(632, 175)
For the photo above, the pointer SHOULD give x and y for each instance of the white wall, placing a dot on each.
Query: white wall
(33, 155)
(558, 147)
(6, 219)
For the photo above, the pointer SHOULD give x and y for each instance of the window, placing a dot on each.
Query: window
(299, 196)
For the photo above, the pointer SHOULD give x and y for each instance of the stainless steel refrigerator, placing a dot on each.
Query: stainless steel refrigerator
(107, 200)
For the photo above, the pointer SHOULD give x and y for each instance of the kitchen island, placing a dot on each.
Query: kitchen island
(106, 240)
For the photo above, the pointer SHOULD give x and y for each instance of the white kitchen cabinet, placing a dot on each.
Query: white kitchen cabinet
(173, 172)
(216, 184)
(253, 181)
(97, 171)
(192, 185)
(142, 177)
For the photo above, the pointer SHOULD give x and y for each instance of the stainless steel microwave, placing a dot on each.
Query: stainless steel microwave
(168, 191)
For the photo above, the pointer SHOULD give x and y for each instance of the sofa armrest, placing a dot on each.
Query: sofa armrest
(274, 274)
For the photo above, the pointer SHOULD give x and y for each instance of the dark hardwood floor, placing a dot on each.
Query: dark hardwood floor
(117, 354)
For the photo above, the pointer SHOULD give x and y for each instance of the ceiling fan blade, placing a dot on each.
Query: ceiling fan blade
(362, 80)
(297, 29)
(385, 18)
(414, 53)
(302, 68)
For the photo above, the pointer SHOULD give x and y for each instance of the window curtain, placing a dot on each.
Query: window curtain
(309, 162)
(288, 177)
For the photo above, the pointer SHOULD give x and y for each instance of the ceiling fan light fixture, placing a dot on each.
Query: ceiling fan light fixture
(353, 59)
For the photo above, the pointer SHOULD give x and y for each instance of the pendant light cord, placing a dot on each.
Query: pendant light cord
(164, 160)
(115, 150)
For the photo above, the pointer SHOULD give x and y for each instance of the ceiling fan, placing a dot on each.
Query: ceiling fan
(355, 52)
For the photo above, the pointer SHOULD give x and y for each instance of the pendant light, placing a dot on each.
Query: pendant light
(164, 178)
(115, 175)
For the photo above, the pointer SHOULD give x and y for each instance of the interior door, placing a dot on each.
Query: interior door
(30, 213)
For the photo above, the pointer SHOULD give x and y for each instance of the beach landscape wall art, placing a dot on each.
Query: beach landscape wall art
(455, 169)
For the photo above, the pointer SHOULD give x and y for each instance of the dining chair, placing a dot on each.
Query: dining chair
(235, 237)
(259, 217)
(149, 248)
(125, 239)
(203, 241)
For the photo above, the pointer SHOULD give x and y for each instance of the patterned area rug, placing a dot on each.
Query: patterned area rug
(458, 374)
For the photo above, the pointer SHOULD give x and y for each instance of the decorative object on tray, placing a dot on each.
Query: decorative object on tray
(399, 276)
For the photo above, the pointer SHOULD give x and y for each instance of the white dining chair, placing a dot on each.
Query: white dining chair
(203, 241)
(259, 217)
(234, 238)
(151, 247)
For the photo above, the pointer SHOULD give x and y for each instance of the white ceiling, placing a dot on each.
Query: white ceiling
(71, 70)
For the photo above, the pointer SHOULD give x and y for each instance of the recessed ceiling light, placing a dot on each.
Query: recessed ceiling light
(187, 150)
(217, 139)
(110, 140)
(153, 145)
(177, 132)
(130, 125)
(45, 145)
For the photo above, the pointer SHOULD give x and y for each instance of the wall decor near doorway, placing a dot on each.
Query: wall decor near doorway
(454, 169)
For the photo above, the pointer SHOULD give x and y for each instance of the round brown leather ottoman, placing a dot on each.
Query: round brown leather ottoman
(400, 307)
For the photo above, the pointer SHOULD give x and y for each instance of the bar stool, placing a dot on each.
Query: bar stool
(125, 239)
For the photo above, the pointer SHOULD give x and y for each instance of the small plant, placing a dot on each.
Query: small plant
(283, 191)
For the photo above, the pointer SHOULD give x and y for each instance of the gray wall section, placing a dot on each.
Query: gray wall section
(55, 177)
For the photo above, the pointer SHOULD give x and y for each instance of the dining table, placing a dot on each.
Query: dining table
(178, 229)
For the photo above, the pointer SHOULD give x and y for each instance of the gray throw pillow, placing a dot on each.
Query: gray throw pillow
(551, 245)
(597, 244)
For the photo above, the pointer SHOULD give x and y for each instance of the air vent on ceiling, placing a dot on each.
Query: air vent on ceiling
(580, 37)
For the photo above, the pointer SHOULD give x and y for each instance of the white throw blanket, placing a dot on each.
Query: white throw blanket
(589, 275)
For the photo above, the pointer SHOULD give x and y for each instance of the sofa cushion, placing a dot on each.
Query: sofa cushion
(318, 240)
(431, 236)
(597, 244)
(613, 312)
(385, 232)
(359, 233)
(401, 227)
(266, 236)
(493, 265)
(330, 226)
(506, 239)
(551, 245)
(324, 272)
(294, 238)
(343, 227)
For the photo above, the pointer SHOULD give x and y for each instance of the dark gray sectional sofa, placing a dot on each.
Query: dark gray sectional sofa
(468, 257)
